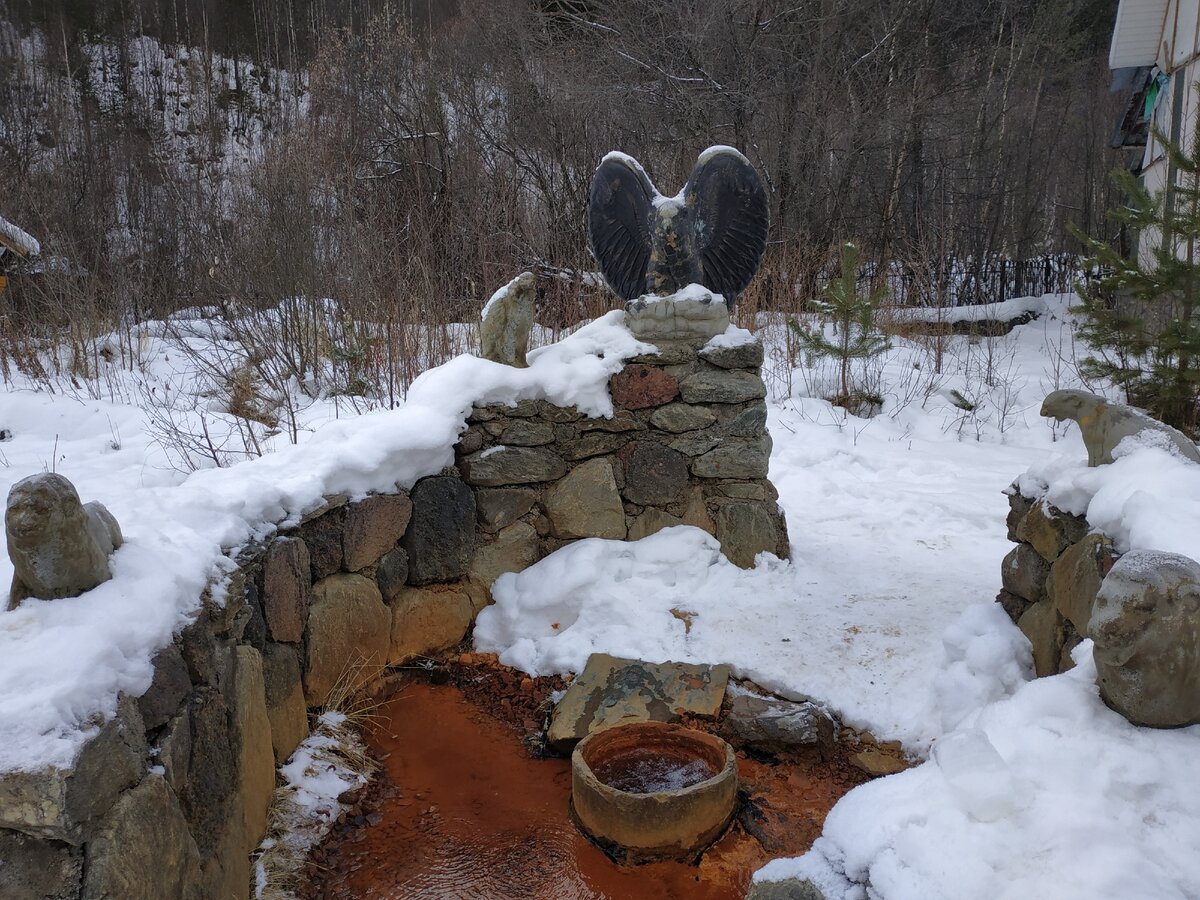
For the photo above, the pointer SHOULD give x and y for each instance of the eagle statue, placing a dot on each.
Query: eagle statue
(712, 233)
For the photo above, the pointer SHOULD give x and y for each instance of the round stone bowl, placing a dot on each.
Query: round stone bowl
(649, 790)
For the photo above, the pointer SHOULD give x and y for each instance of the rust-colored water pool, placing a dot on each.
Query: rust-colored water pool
(465, 813)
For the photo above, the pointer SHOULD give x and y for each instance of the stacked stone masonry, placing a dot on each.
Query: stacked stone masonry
(686, 445)
(169, 798)
(1050, 579)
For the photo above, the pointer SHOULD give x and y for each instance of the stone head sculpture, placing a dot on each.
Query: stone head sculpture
(59, 547)
(712, 233)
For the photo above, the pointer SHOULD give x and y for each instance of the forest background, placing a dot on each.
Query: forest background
(392, 162)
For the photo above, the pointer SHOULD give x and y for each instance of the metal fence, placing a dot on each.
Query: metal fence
(969, 282)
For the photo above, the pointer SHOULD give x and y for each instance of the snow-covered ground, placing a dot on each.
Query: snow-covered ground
(884, 612)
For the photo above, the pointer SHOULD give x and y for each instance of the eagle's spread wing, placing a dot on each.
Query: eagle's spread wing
(618, 224)
(731, 219)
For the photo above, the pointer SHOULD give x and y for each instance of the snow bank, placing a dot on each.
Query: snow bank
(1047, 793)
(673, 596)
(1148, 498)
(63, 662)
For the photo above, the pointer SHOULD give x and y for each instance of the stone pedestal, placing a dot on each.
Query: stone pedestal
(686, 445)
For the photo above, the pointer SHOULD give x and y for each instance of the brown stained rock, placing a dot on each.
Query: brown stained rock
(611, 689)
(226, 871)
(1050, 530)
(1023, 572)
(745, 529)
(586, 503)
(373, 526)
(1146, 629)
(426, 620)
(497, 508)
(514, 550)
(650, 521)
(479, 595)
(641, 387)
(143, 849)
(256, 759)
(347, 635)
(287, 588)
(1076, 575)
(877, 762)
(1042, 624)
(285, 700)
(60, 803)
(655, 475)
(695, 511)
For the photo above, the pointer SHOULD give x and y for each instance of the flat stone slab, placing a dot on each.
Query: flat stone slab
(611, 690)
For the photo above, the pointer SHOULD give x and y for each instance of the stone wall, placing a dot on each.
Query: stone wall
(1051, 578)
(169, 798)
(687, 444)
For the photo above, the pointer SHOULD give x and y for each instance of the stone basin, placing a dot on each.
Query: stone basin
(652, 790)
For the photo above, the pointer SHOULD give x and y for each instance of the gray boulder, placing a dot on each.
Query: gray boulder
(778, 727)
(1104, 425)
(59, 547)
(1146, 627)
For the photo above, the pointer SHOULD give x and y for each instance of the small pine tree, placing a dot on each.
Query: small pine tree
(1143, 317)
(853, 317)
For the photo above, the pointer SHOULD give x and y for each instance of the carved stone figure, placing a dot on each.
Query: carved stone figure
(712, 233)
(1146, 627)
(506, 320)
(1105, 424)
(59, 547)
